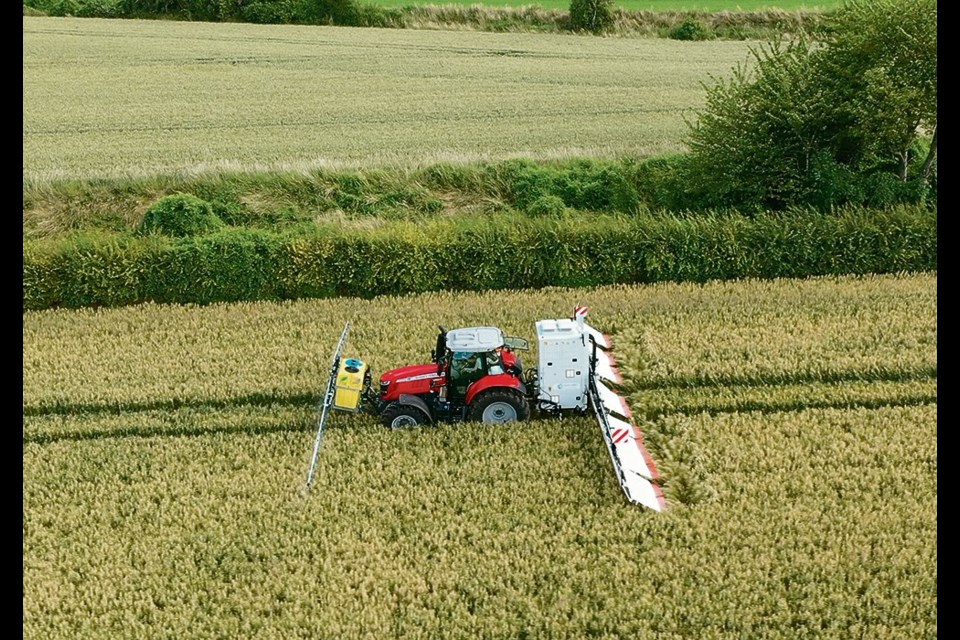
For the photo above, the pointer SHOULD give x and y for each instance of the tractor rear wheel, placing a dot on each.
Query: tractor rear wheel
(402, 416)
(499, 405)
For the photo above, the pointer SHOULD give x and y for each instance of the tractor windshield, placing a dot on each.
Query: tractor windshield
(467, 367)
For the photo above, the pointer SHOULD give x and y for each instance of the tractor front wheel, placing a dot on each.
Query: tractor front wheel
(402, 416)
(499, 405)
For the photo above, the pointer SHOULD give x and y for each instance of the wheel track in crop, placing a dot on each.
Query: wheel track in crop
(186, 417)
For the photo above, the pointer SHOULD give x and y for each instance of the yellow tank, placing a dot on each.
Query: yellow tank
(349, 385)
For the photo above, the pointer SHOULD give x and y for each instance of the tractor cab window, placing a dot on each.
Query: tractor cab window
(465, 364)
(494, 363)
(468, 367)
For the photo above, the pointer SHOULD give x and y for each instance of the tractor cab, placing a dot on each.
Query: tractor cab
(470, 354)
(473, 353)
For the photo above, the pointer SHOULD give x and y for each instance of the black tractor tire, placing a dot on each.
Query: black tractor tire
(402, 416)
(499, 405)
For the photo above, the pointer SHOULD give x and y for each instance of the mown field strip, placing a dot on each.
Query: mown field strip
(818, 523)
(656, 403)
(183, 421)
(299, 413)
(108, 98)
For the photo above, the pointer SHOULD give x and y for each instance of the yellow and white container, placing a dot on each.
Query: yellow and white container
(349, 385)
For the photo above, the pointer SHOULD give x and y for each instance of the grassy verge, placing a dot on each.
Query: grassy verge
(644, 18)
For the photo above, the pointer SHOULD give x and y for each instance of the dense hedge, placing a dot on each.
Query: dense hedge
(680, 25)
(234, 264)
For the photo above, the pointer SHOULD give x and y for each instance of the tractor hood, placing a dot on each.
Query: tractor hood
(409, 373)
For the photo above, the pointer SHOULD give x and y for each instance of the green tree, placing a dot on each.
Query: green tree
(881, 70)
(760, 133)
(850, 119)
(340, 12)
(591, 15)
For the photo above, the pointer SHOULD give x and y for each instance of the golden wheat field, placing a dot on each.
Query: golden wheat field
(794, 422)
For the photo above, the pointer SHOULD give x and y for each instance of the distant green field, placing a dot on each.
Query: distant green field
(114, 98)
(640, 5)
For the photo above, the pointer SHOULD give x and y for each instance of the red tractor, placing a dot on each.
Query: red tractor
(476, 374)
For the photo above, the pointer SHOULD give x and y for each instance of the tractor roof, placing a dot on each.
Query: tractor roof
(474, 339)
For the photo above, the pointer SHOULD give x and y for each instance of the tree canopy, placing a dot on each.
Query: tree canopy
(847, 118)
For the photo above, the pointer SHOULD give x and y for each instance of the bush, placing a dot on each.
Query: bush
(340, 12)
(267, 12)
(816, 123)
(506, 252)
(597, 187)
(180, 215)
(432, 205)
(659, 182)
(528, 183)
(371, 15)
(592, 186)
(547, 205)
(228, 266)
(60, 8)
(690, 29)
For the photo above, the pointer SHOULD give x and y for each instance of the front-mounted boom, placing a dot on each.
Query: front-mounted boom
(327, 401)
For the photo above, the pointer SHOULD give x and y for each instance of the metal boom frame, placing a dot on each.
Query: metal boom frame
(326, 402)
(601, 412)
(638, 487)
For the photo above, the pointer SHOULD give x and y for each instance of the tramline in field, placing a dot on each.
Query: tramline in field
(476, 374)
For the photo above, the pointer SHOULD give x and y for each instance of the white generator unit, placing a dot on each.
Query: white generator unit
(565, 355)
(563, 367)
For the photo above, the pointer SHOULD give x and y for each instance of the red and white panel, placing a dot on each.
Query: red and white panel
(607, 367)
(613, 402)
(630, 450)
(632, 463)
(635, 468)
(580, 313)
